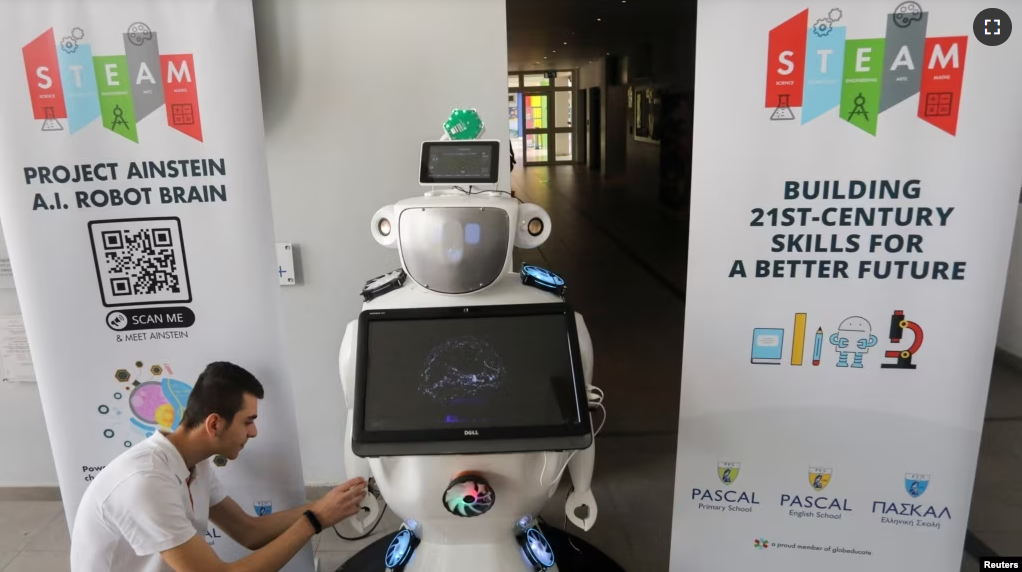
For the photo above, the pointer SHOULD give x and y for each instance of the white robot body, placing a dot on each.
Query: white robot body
(450, 265)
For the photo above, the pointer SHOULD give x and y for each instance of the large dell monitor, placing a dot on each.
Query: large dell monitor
(469, 380)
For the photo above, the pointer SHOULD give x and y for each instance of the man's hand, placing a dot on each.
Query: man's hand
(340, 503)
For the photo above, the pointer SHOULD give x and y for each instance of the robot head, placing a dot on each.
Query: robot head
(460, 239)
(859, 333)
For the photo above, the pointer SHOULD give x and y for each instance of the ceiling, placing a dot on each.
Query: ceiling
(565, 34)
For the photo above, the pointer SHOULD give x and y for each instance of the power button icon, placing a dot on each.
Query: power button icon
(992, 27)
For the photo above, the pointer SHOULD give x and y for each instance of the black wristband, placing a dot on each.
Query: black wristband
(313, 521)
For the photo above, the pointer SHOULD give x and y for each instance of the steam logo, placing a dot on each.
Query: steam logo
(69, 80)
(116, 320)
(827, 68)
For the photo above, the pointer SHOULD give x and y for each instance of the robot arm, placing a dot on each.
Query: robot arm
(355, 466)
(580, 507)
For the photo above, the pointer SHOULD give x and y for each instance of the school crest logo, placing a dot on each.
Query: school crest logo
(263, 508)
(916, 484)
(819, 477)
(727, 472)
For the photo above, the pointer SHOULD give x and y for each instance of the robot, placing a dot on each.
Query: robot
(463, 508)
(855, 336)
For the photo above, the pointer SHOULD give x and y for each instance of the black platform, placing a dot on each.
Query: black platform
(587, 558)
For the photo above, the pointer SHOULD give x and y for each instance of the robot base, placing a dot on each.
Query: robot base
(573, 555)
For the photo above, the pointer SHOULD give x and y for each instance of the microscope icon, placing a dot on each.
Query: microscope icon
(904, 357)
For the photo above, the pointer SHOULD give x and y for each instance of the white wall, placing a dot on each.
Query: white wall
(1009, 337)
(351, 88)
(24, 443)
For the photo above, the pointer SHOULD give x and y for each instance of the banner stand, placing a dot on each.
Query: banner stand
(845, 282)
(136, 208)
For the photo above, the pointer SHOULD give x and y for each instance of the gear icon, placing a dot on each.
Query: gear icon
(822, 27)
(77, 33)
(835, 15)
(69, 45)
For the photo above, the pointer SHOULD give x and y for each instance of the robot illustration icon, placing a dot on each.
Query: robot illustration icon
(904, 357)
(854, 336)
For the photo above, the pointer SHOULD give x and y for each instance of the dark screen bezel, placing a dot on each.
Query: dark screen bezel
(426, 179)
(576, 434)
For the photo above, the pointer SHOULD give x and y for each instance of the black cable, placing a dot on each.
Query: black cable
(490, 191)
(366, 535)
(376, 493)
(570, 490)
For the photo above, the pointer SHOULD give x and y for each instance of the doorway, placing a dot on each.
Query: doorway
(595, 128)
(544, 132)
(582, 149)
(516, 125)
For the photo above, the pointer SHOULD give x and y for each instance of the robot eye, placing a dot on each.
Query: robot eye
(535, 227)
(384, 227)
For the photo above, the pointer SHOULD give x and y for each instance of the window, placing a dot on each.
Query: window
(536, 80)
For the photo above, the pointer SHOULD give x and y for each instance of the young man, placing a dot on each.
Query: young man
(147, 511)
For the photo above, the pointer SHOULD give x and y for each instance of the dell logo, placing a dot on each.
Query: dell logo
(471, 432)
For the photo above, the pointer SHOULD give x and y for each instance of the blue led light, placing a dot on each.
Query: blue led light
(472, 232)
(543, 276)
(538, 547)
(398, 551)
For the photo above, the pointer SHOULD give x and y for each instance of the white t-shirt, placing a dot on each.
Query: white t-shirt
(141, 504)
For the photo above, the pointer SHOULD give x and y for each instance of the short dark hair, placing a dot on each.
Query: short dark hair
(219, 390)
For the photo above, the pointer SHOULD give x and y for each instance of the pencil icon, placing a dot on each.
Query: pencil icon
(819, 346)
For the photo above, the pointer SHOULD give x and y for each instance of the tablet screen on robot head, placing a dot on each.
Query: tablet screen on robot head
(493, 379)
(475, 162)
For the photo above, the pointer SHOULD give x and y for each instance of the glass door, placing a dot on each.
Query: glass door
(537, 129)
(561, 126)
(545, 130)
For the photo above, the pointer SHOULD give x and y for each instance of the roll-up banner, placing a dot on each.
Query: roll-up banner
(856, 179)
(136, 208)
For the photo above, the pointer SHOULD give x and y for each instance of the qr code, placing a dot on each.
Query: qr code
(140, 261)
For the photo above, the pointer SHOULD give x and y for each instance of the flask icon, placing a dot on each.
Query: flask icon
(50, 123)
(783, 111)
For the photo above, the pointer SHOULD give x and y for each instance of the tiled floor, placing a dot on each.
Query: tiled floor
(617, 252)
(33, 536)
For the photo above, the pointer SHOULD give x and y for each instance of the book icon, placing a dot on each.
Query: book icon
(767, 345)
